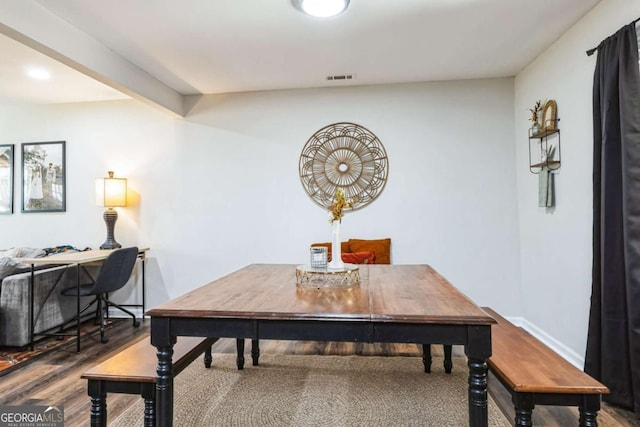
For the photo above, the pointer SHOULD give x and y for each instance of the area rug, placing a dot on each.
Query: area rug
(319, 391)
(12, 358)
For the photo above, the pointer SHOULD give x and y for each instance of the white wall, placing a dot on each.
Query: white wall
(556, 244)
(220, 188)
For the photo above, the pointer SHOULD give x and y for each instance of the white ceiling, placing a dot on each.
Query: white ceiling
(217, 46)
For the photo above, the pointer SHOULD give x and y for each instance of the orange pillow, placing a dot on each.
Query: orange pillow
(344, 246)
(381, 248)
(359, 257)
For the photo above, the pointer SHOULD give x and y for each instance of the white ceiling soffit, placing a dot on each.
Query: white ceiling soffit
(162, 49)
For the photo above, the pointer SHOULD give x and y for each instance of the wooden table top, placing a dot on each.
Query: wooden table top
(387, 293)
(81, 257)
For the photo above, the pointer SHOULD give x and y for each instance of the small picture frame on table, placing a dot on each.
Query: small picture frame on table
(43, 177)
(6, 178)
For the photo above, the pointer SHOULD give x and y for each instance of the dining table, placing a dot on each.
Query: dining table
(387, 304)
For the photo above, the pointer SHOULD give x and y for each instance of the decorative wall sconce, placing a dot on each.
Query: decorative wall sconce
(111, 193)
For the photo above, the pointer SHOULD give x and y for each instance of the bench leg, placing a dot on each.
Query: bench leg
(523, 403)
(255, 351)
(98, 404)
(588, 418)
(149, 396)
(589, 410)
(448, 364)
(207, 357)
(240, 356)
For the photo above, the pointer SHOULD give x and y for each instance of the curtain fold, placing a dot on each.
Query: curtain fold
(613, 341)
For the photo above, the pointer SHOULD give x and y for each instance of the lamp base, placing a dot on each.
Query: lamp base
(110, 245)
(110, 216)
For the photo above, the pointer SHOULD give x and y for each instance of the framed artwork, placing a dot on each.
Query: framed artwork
(6, 179)
(43, 177)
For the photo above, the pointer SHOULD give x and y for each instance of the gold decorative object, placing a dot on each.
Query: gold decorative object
(343, 155)
(535, 123)
(339, 205)
(322, 279)
(549, 115)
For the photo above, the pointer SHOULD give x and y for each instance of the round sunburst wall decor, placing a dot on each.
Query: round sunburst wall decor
(343, 155)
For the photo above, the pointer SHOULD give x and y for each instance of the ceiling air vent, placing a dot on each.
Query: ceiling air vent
(341, 77)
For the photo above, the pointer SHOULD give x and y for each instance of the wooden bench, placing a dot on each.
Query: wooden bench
(536, 375)
(133, 371)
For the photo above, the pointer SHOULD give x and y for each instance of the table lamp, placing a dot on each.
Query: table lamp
(111, 193)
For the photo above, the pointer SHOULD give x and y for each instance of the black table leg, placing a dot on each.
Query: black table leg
(448, 364)
(240, 355)
(98, 404)
(207, 357)
(255, 351)
(78, 308)
(31, 306)
(478, 350)
(163, 340)
(144, 257)
(426, 357)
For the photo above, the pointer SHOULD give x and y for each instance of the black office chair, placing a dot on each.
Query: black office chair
(114, 274)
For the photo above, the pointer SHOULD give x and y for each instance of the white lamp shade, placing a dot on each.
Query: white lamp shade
(111, 192)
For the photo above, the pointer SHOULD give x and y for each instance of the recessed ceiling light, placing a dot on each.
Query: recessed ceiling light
(38, 73)
(321, 8)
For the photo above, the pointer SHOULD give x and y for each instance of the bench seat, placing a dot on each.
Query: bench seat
(133, 371)
(536, 375)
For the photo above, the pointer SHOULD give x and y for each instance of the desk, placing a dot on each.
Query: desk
(393, 303)
(77, 259)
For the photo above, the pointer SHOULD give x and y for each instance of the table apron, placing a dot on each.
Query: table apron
(316, 330)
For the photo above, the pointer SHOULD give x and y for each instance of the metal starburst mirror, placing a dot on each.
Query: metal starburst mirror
(343, 155)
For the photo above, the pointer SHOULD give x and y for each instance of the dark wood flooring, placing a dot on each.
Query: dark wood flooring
(54, 379)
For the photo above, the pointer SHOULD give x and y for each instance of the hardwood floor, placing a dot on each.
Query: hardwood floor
(54, 379)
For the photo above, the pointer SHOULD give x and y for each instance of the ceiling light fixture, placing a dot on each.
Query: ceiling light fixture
(321, 8)
(38, 74)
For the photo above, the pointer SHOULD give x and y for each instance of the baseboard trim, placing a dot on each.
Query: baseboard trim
(117, 314)
(567, 353)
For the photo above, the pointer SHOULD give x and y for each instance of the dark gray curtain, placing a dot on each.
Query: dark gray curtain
(613, 342)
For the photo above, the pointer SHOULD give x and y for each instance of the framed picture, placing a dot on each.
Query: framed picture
(6, 179)
(43, 177)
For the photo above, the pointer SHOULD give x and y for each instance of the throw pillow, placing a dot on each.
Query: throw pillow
(359, 257)
(9, 266)
(381, 247)
(62, 249)
(344, 246)
(9, 253)
(29, 253)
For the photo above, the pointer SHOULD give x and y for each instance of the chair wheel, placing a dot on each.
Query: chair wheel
(136, 324)
(104, 339)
